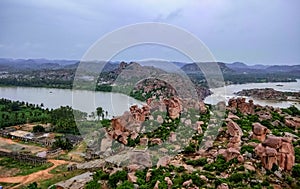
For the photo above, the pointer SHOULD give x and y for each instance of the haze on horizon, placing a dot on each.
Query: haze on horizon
(249, 31)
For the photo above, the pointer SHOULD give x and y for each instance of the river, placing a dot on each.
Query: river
(86, 101)
(116, 103)
(225, 93)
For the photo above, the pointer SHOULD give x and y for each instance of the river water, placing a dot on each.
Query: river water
(225, 93)
(116, 103)
(86, 101)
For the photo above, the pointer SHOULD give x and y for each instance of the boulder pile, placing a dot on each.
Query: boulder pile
(276, 151)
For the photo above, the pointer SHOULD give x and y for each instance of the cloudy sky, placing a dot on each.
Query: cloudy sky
(250, 31)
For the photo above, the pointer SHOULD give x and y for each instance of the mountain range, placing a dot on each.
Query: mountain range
(8, 64)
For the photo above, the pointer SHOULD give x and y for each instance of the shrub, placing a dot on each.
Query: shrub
(62, 143)
(297, 154)
(33, 186)
(296, 170)
(198, 162)
(236, 177)
(247, 148)
(38, 129)
(116, 177)
(219, 165)
(126, 185)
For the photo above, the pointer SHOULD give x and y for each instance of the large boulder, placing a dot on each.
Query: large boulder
(230, 153)
(276, 151)
(273, 142)
(259, 131)
(174, 107)
(163, 161)
(241, 105)
(234, 129)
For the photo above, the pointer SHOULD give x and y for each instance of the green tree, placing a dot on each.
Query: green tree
(38, 129)
(100, 112)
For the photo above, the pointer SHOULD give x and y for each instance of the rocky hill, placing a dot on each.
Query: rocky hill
(255, 146)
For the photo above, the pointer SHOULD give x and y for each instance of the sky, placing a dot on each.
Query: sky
(249, 31)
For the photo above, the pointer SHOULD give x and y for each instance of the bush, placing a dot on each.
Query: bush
(296, 171)
(219, 165)
(297, 154)
(236, 177)
(38, 129)
(33, 186)
(126, 185)
(247, 148)
(191, 148)
(62, 143)
(116, 177)
(198, 162)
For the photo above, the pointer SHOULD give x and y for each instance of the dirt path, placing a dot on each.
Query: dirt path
(44, 174)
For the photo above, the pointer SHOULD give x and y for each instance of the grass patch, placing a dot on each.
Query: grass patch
(24, 167)
(59, 177)
(59, 169)
(8, 185)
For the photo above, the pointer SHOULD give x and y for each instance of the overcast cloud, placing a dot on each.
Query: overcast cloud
(250, 31)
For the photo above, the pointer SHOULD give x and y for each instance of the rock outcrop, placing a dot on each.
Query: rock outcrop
(268, 94)
(174, 107)
(241, 105)
(233, 147)
(140, 114)
(259, 131)
(293, 122)
(276, 151)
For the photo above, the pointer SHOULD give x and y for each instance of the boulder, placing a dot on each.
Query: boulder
(232, 116)
(240, 159)
(163, 161)
(142, 159)
(156, 185)
(230, 154)
(187, 183)
(202, 108)
(273, 142)
(241, 105)
(157, 141)
(234, 129)
(174, 107)
(144, 141)
(223, 186)
(159, 119)
(148, 176)
(133, 167)
(169, 182)
(172, 137)
(293, 122)
(131, 177)
(249, 166)
(278, 151)
(259, 131)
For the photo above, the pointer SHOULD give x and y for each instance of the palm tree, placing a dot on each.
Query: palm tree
(100, 112)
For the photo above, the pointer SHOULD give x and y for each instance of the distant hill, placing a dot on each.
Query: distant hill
(163, 65)
(8, 64)
(194, 68)
(259, 68)
(283, 68)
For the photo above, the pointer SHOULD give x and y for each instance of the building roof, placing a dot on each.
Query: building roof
(22, 134)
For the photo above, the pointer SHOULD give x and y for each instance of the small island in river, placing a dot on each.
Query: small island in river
(269, 94)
